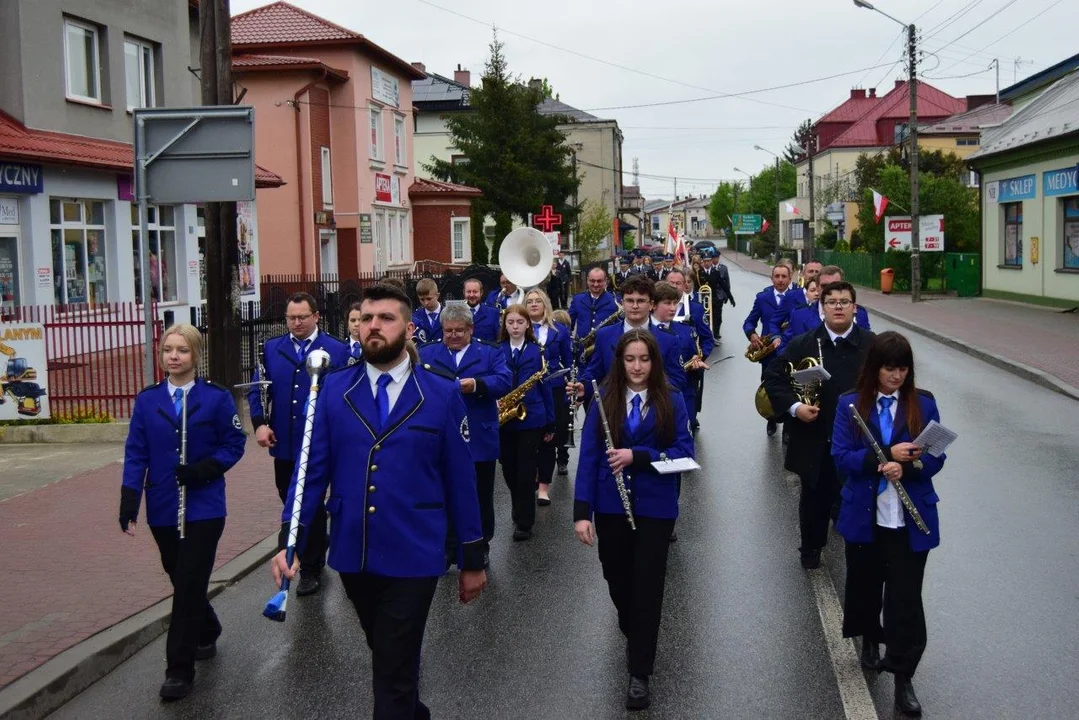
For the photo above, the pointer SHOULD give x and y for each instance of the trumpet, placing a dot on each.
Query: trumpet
(704, 291)
(511, 406)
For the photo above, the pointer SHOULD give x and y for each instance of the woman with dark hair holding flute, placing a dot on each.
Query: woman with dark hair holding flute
(885, 550)
(648, 423)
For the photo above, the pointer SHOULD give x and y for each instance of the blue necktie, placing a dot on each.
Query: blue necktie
(535, 330)
(382, 399)
(634, 420)
(779, 300)
(301, 349)
(516, 355)
(885, 418)
(356, 350)
(178, 401)
(432, 318)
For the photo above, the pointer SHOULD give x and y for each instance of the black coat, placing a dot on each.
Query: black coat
(806, 449)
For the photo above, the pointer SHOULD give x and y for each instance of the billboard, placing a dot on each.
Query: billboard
(23, 372)
(930, 233)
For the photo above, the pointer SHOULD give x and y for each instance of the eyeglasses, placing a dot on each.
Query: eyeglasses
(838, 304)
(454, 333)
(298, 318)
(635, 301)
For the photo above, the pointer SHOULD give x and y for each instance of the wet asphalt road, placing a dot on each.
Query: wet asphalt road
(742, 635)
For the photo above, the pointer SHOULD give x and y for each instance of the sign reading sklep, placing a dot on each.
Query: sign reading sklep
(930, 233)
(23, 374)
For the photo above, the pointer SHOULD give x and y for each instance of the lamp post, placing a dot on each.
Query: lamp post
(758, 147)
(912, 62)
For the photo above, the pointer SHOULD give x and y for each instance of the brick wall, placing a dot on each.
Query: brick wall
(431, 230)
(320, 137)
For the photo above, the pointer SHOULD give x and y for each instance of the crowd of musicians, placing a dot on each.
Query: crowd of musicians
(420, 405)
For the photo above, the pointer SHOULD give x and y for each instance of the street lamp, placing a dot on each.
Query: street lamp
(915, 254)
(758, 147)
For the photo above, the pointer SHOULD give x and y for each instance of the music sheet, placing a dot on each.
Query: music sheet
(676, 465)
(935, 439)
(817, 372)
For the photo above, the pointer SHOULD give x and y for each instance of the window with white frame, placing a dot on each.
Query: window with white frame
(139, 74)
(82, 61)
(327, 178)
(161, 229)
(376, 148)
(459, 238)
(399, 154)
(78, 251)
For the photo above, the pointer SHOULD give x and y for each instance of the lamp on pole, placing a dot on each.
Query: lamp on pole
(912, 62)
(758, 147)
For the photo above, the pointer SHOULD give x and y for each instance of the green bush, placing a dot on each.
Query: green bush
(79, 416)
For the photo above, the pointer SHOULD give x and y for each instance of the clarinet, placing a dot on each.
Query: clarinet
(572, 425)
(181, 508)
(619, 480)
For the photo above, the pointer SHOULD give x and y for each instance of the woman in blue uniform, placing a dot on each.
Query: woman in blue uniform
(554, 339)
(648, 422)
(215, 443)
(886, 553)
(520, 439)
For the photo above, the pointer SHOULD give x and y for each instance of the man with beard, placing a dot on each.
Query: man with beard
(486, 322)
(408, 427)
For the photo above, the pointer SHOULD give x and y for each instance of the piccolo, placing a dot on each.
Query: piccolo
(619, 479)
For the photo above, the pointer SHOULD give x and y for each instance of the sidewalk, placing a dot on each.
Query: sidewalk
(71, 573)
(1037, 343)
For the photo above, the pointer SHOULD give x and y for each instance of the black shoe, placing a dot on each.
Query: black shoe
(905, 699)
(870, 654)
(309, 585)
(205, 652)
(177, 689)
(637, 696)
(674, 536)
(771, 428)
(562, 469)
(522, 534)
(811, 559)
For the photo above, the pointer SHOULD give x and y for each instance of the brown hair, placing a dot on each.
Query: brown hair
(519, 309)
(303, 297)
(832, 270)
(666, 291)
(426, 286)
(639, 285)
(659, 399)
(889, 349)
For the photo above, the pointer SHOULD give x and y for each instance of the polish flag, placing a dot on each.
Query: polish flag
(792, 210)
(680, 251)
(672, 237)
(879, 204)
(764, 227)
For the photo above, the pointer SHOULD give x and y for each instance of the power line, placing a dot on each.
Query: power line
(957, 77)
(952, 18)
(675, 127)
(1013, 30)
(989, 17)
(900, 34)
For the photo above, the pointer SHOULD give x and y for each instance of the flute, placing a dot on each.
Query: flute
(571, 426)
(619, 480)
(181, 507)
(902, 491)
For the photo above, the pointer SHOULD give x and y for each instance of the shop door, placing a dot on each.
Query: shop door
(9, 273)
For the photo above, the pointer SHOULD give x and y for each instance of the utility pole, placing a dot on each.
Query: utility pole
(809, 244)
(222, 261)
(915, 254)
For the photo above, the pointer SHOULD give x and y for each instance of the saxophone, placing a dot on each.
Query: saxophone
(511, 405)
(588, 342)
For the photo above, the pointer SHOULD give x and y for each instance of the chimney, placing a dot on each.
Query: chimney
(462, 77)
(420, 66)
(899, 83)
(976, 101)
(535, 84)
(872, 92)
(857, 94)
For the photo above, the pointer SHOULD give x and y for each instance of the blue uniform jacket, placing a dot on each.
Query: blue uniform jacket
(855, 460)
(806, 319)
(586, 313)
(559, 353)
(487, 365)
(288, 393)
(652, 494)
(537, 400)
(687, 338)
(770, 315)
(392, 489)
(426, 331)
(607, 339)
(497, 300)
(152, 452)
(486, 323)
(708, 340)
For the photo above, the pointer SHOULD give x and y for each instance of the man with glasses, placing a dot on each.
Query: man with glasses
(279, 426)
(810, 317)
(841, 346)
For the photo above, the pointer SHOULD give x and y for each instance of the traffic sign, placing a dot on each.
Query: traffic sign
(930, 233)
(747, 224)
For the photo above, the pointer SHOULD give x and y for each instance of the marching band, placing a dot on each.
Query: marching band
(421, 403)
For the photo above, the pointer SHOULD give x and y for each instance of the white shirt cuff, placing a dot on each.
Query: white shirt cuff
(794, 409)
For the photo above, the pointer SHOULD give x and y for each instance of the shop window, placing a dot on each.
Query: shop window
(9, 272)
(78, 251)
(1071, 233)
(161, 230)
(139, 74)
(459, 238)
(1013, 234)
(376, 148)
(82, 61)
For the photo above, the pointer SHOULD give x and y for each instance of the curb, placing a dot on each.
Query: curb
(47, 687)
(1034, 375)
(114, 432)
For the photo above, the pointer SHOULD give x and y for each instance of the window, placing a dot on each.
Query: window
(327, 178)
(376, 134)
(399, 155)
(962, 142)
(139, 73)
(82, 60)
(78, 251)
(1071, 233)
(161, 226)
(9, 271)
(1013, 234)
(459, 239)
(899, 135)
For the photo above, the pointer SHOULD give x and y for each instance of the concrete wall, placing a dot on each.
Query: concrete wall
(11, 84)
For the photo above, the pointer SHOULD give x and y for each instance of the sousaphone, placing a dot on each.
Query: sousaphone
(526, 257)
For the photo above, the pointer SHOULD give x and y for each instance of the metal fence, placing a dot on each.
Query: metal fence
(958, 273)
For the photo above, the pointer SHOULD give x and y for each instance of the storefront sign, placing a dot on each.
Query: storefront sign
(24, 368)
(9, 211)
(1012, 189)
(395, 190)
(44, 278)
(1060, 182)
(930, 233)
(385, 88)
(366, 230)
(21, 178)
(247, 232)
(383, 191)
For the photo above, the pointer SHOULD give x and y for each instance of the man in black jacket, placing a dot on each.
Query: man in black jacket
(716, 276)
(841, 345)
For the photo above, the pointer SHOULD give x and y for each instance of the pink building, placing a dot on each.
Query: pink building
(334, 118)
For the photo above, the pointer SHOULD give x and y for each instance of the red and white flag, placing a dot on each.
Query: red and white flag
(792, 210)
(879, 204)
(680, 251)
(764, 227)
(672, 237)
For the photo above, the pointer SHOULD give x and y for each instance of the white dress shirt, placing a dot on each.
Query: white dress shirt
(889, 508)
(832, 336)
(297, 343)
(626, 327)
(173, 388)
(352, 345)
(400, 373)
(541, 336)
(517, 345)
(630, 394)
(459, 355)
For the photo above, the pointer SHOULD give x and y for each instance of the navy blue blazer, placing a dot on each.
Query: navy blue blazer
(538, 400)
(607, 339)
(586, 313)
(653, 495)
(288, 393)
(152, 451)
(497, 300)
(486, 323)
(696, 313)
(426, 331)
(392, 489)
(766, 311)
(855, 460)
(558, 351)
(807, 318)
(487, 366)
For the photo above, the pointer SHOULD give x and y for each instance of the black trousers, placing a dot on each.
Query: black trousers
(635, 568)
(485, 488)
(815, 503)
(556, 449)
(886, 574)
(519, 455)
(696, 381)
(313, 557)
(189, 563)
(717, 317)
(393, 614)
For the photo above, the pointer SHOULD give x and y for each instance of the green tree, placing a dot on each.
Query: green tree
(725, 203)
(479, 239)
(762, 198)
(517, 157)
(803, 137)
(596, 223)
(629, 242)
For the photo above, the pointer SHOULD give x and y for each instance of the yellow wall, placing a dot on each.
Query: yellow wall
(947, 144)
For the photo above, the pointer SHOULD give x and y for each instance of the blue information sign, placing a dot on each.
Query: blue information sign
(1060, 182)
(1018, 188)
(21, 178)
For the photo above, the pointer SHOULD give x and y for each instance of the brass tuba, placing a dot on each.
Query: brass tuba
(511, 405)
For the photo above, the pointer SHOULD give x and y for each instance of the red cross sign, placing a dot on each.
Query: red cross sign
(548, 219)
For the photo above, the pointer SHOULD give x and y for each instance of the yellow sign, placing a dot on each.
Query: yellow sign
(1035, 246)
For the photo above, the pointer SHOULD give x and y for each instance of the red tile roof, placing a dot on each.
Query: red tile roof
(22, 143)
(852, 109)
(423, 186)
(894, 108)
(270, 63)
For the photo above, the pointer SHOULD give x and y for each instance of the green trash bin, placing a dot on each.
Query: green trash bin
(963, 274)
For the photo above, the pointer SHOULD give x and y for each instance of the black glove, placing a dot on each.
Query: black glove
(129, 506)
(733, 303)
(200, 473)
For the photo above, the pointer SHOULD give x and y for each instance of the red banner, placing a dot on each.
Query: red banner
(382, 188)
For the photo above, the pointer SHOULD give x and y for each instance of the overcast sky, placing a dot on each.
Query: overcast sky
(690, 49)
